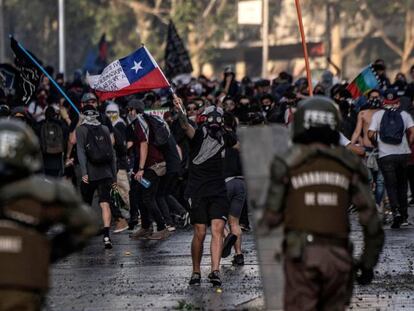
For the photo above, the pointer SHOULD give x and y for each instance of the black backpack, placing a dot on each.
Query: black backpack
(51, 138)
(159, 129)
(98, 145)
(392, 127)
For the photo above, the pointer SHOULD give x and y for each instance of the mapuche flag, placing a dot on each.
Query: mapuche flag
(177, 60)
(29, 74)
(135, 73)
(367, 80)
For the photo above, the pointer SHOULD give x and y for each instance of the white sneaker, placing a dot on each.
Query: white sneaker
(171, 228)
(186, 219)
(405, 224)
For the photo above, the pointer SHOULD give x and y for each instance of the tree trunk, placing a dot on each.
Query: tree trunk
(194, 50)
(336, 38)
(406, 59)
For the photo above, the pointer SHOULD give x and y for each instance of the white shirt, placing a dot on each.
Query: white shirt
(40, 112)
(343, 141)
(388, 149)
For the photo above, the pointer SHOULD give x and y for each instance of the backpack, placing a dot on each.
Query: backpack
(98, 145)
(51, 138)
(159, 129)
(392, 127)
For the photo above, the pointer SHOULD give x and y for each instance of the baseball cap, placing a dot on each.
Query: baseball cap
(88, 96)
(390, 96)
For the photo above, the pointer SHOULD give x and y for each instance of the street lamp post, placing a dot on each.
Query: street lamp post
(61, 36)
(2, 39)
(265, 38)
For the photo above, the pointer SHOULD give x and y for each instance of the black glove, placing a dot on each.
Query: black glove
(364, 276)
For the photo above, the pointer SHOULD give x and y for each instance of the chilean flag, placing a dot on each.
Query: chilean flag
(137, 72)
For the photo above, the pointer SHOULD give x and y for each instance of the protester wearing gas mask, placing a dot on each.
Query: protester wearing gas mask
(206, 188)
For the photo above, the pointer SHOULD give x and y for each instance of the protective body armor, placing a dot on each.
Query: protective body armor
(310, 191)
(28, 209)
(318, 197)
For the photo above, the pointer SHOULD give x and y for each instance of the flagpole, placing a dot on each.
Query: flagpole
(305, 49)
(48, 75)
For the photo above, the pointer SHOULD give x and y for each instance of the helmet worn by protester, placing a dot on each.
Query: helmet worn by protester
(20, 153)
(316, 120)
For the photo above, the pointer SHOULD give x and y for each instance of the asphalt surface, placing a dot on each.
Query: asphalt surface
(153, 275)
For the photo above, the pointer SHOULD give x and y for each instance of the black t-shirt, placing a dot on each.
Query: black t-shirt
(206, 178)
(120, 145)
(171, 156)
(232, 162)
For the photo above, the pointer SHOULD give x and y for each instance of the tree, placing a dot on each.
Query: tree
(383, 14)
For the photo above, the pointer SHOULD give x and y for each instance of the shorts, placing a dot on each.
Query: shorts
(204, 209)
(236, 193)
(103, 187)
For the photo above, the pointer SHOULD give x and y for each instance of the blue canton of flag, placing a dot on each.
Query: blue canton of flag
(137, 65)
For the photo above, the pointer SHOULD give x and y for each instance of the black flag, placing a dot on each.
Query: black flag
(29, 74)
(177, 60)
(8, 77)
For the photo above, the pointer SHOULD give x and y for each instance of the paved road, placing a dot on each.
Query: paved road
(154, 275)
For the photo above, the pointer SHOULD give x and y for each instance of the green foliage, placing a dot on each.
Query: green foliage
(35, 24)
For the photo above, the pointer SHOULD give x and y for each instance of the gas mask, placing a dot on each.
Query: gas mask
(214, 124)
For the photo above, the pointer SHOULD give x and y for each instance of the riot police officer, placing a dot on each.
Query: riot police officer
(310, 191)
(31, 207)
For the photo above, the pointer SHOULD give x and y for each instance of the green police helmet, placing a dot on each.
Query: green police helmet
(19, 150)
(315, 113)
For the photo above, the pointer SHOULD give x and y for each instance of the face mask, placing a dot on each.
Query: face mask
(214, 124)
(374, 103)
(112, 115)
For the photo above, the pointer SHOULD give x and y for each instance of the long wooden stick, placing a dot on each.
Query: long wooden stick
(304, 45)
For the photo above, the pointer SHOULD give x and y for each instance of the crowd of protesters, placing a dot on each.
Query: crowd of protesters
(112, 148)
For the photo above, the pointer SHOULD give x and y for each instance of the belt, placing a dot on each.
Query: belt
(233, 177)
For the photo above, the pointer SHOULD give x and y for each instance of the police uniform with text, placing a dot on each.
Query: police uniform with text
(311, 190)
(30, 206)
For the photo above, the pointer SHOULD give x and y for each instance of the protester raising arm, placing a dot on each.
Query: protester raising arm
(182, 117)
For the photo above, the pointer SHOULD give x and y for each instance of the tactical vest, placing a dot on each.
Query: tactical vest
(24, 249)
(318, 197)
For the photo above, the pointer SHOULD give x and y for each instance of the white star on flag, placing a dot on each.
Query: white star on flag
(137, 66)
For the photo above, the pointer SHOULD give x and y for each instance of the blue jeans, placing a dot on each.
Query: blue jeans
(375, 176)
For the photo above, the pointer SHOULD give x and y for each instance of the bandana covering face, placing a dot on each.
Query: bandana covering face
(112, 111)
(90, 117)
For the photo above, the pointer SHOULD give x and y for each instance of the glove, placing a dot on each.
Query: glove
(364, 276)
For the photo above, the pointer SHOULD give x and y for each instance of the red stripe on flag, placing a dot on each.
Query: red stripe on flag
(153, 80)
(354, 90)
